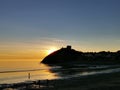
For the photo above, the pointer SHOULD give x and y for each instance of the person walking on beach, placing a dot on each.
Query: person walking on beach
(28, 75)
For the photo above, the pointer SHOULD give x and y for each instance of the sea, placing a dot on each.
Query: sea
(15, 71)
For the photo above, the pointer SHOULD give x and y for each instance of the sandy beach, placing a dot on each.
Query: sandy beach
(109, 81)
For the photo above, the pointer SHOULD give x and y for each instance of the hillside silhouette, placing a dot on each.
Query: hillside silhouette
(69, 55)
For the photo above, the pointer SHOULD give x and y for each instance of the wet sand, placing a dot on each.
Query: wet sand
(110, 81)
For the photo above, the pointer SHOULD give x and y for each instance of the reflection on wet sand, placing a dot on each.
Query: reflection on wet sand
(68, 71)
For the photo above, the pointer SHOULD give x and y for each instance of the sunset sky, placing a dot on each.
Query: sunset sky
(33, 28)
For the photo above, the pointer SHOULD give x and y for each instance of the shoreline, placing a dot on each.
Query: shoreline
(109, 81)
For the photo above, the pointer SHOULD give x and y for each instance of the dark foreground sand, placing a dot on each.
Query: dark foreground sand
(109, 81)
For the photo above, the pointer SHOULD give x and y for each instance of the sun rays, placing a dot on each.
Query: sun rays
(51, 50)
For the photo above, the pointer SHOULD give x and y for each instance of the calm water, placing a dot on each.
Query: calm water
(40, 71)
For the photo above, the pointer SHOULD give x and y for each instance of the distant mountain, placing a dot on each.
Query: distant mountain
(68, 55)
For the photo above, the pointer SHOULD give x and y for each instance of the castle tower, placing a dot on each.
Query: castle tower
(69, 47)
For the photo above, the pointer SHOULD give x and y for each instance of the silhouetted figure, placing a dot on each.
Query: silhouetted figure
(47, 83)
(28, 75)
(39, 83)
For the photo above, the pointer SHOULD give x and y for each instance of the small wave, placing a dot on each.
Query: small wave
(20, 70)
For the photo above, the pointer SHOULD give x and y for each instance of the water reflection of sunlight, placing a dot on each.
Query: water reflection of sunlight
(40, 74)
(43, 74)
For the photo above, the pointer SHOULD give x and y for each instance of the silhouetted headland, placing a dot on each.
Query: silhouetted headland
(69, 55)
